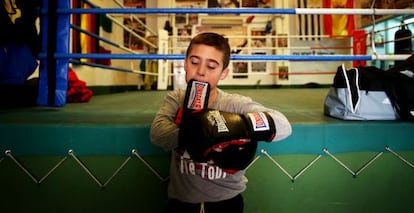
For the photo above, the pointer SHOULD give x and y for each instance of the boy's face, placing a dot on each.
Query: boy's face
(205, 63)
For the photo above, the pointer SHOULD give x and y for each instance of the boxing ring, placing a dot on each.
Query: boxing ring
(98, 157)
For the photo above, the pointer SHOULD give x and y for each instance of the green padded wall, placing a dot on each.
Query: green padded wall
(385, 185)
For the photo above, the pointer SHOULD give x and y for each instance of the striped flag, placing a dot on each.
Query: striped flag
(339, 25)
(82, 43)
(89, 44)
(309, 27)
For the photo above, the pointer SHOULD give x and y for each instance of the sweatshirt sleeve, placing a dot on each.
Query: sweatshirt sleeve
(282, 124)
(163, 131)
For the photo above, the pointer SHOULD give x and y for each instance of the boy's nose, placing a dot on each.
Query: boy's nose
(201, 71)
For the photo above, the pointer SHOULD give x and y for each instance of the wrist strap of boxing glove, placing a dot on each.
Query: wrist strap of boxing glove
(262, 126)
(178, 116)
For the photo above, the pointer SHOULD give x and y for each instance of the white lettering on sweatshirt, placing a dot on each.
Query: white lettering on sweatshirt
(204, 170)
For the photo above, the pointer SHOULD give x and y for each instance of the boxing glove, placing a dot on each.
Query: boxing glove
(195, 99)
(210, 134)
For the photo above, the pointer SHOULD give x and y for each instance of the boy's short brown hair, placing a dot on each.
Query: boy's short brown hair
(214, 40)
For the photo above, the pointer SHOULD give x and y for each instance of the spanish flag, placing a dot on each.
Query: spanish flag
(81, 42)
(89, 44)
(339, 25)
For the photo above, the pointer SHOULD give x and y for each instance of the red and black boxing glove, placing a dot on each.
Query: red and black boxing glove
(228, 139)
(196, 99)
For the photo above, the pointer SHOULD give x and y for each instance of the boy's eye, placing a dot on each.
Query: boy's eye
(195, 61)
(212, 66)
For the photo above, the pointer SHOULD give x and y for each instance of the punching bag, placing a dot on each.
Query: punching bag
(402, 39)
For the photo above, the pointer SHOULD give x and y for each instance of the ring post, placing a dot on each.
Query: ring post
(53, 72)
(163, 65)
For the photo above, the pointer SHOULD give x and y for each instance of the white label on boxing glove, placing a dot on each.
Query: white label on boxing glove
(216, 119)
(198, 95)
(259, 121)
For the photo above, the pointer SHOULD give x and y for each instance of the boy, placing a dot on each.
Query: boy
(192, 186)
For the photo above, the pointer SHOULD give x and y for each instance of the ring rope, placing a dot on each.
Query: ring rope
(102, 39)
(286, 11)
(398, 39)
(373, 46)
(120, 4)
(130, 31)
(77, 62)
(233, 57)
(121, 24)
(371, 11)
(390, 28)
(258, 49)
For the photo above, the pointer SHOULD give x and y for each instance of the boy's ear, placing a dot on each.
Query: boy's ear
(224, 73)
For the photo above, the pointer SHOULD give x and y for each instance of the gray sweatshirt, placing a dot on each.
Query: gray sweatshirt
(195, 182)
